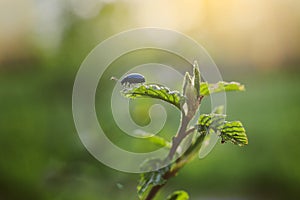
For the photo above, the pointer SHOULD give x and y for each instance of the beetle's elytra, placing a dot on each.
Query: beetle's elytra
(133, 78)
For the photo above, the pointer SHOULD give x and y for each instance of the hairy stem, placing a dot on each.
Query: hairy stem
(182, 133)
(179, 137)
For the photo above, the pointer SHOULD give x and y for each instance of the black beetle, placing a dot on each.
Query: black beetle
(133, 78)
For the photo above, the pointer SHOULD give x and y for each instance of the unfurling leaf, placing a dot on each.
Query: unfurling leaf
(234, 132)
(178, 195)
(229, 131)
(191, 103)
(208, 122)
(153, 178)
(154, 91)
(207, 89)
(187, 80)
(197, 78)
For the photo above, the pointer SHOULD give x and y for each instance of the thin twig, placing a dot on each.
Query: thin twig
(191, 130)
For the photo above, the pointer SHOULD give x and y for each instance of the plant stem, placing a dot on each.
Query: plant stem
(153, 192)
(182, 133)
(167, 176)
(179, 137)
(180, 163)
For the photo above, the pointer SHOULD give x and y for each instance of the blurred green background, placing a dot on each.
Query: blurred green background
(42, 44)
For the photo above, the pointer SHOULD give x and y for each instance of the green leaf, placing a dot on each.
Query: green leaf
(153, 178)
(234, 132)
(178, 195)
(159, 141)
(154, 91)
(207, 89)
(229, 131)
(208, 122)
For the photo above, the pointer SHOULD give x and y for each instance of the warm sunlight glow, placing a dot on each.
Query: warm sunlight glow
(262, 34)
(169, 14)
